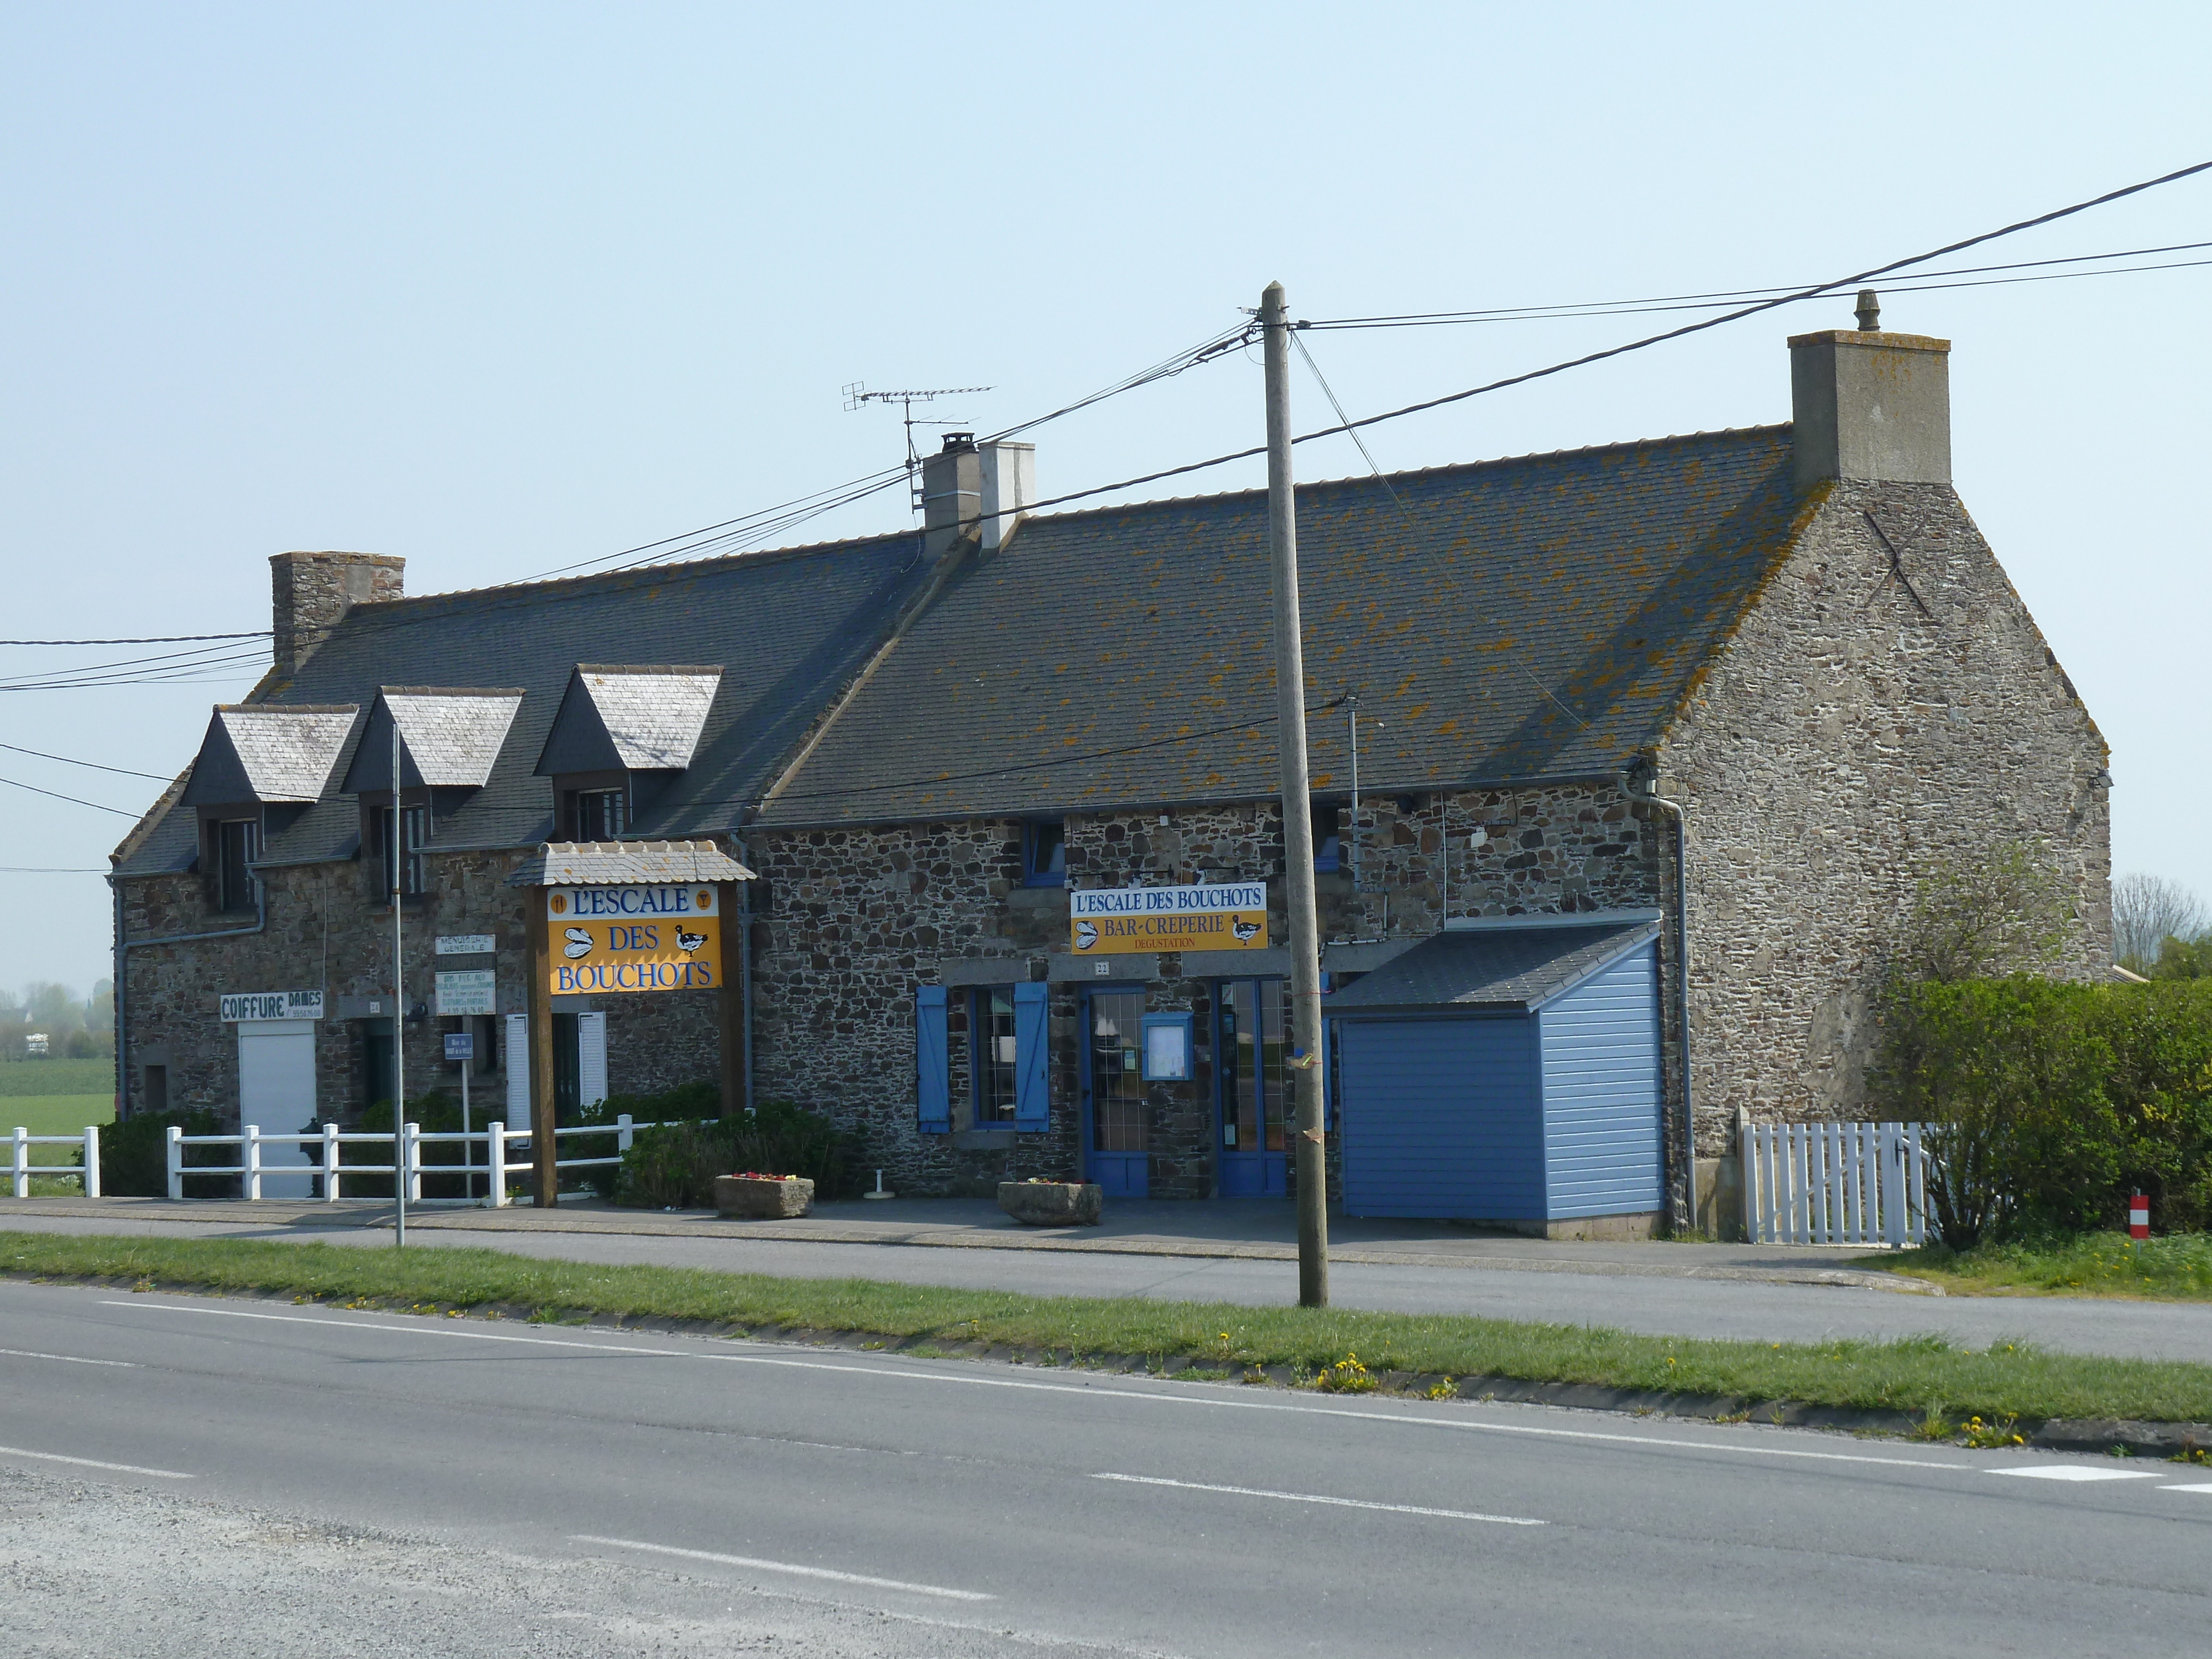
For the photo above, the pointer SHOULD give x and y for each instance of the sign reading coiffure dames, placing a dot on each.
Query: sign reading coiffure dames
(632, 939)
(1224, 916)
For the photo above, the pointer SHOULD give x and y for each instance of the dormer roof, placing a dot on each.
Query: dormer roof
(269, 754)
(449, 737)
(628, 718)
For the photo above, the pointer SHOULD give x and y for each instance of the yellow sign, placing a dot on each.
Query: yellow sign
(1224, 916)
(632, 939)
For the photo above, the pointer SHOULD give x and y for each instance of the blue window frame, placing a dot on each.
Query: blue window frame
(1044, 853)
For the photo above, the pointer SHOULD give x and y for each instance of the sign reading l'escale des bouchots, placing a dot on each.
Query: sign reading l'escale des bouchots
(632, 939)
(1219, 916)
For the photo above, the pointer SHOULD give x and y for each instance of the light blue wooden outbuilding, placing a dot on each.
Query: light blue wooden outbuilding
(1507, 1073)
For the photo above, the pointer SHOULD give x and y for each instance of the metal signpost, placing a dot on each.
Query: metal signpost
(395, 849)
(462, 1046)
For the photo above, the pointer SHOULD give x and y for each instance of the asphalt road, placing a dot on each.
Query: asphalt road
(1744, 1309)
(649, 1487)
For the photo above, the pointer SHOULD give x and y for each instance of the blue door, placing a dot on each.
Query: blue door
(1253, 1044)
(1117, 1126)
(1442, 1118)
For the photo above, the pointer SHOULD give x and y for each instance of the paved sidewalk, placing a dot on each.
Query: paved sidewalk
(1261, 1229)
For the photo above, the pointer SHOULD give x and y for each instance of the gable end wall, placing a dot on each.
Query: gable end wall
(1842, 747)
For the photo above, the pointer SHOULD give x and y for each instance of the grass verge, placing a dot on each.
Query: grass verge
(2173, 1269)
(1335, 1347)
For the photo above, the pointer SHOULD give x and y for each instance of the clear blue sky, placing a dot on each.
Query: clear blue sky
(501, 287)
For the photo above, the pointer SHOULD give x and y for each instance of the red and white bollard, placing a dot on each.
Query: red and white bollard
(2139, 1216)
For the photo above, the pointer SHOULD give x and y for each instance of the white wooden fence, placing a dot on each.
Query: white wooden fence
(21, 1168)
(486, 1149)
(1836, 1183)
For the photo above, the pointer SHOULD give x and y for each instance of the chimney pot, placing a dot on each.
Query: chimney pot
(1870, 311)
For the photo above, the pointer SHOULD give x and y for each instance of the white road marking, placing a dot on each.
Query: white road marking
(2195, 1488)
(1476, 1425)
(1315, 1497)
(69, 1359)
(2079, 1472)
(786, 1566)
(94, 1463)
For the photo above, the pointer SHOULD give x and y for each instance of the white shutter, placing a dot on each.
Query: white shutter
(591, 1059)
(518, 1074)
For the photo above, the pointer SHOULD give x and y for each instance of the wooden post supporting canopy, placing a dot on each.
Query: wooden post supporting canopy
(730, 1001)
(544, 1150)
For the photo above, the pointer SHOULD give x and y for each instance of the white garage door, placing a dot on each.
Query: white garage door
(276, 1091)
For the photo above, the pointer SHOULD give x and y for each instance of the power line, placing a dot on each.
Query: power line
(148, 639)
(1626, 307)
(1562, 315)
(72, 800)
(121, 771)
(49, 870)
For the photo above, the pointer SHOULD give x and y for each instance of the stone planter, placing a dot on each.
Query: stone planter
(740, 1199)
(1053, 1203)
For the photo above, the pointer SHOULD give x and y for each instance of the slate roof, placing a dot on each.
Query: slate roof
(790, 628)
(639, 720)
(449, 737)
(1540, 617)
(257, 753)
(1492, 967)
(1544, 616)
(627, 864)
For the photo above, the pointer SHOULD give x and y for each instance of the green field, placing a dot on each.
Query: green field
(54, 1115)
(39, 1077)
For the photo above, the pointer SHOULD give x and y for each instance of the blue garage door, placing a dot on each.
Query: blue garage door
(1442, 1118)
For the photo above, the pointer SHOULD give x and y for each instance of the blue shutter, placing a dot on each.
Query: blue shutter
(934, 1069)
(1032, 1081)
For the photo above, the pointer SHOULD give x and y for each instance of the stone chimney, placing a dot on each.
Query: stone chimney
(1870, 405)
(1009, 484)
(951, 495)
(310, 594)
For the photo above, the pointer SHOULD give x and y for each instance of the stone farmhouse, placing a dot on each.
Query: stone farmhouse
(991, 810)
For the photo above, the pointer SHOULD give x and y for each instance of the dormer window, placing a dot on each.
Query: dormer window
(406, 847)
(235, 844)
(259, 767)
(621, 736)
(597, 814)
(449, 738)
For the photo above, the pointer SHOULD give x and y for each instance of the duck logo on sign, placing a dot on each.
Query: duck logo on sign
(651, 938)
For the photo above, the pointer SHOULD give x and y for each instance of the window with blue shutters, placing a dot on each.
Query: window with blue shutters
(995, 1054)
(1032, 1044)
(932, 1067)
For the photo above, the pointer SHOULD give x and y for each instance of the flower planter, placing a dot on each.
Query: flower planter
(1053, 1203)
(762, 1198)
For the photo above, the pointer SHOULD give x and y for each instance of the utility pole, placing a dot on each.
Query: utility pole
(398, 848)
(1307, 1071)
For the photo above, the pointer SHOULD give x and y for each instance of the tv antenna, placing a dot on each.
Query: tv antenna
(857, 395)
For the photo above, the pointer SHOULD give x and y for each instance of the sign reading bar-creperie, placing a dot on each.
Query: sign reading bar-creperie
(632, 939)
(1226, 916)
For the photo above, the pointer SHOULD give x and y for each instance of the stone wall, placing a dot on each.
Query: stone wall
(326, 930)
(1845, 744)
(855, 920)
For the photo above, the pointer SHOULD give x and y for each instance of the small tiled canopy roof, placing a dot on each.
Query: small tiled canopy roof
(449, 737)
(268, 754)
(634, 720)
(1505, 967)
(627, 864)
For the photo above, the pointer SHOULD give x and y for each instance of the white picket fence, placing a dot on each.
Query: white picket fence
(488, 1149)
(21, 1168)
(1836, 1183)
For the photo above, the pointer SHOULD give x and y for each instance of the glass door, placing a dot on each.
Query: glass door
(1254, 1049)
(1116, 1124)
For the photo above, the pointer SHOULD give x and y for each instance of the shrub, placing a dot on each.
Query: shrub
(2053, 1103)
(134, 1157)
(674, 1166)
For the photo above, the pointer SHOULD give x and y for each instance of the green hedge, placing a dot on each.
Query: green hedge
(674, 1167)
(2054, 1102)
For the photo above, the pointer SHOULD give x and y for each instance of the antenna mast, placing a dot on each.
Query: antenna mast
(857, 395)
